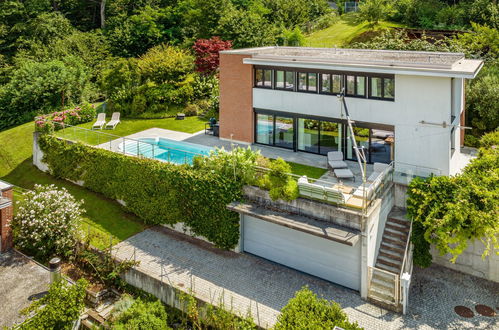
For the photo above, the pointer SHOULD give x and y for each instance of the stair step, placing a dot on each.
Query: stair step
(405, 223)
(397, 226)
(383, 277)
(394, 233)
(396, 249)
(389, 262)
(380, 282)
(389, 268)
(391, 255)
(382, 295)
(396, 242)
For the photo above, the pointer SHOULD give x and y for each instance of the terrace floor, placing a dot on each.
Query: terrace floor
(303, 158)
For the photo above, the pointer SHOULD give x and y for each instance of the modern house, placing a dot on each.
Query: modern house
(404, 104)
(407, 110)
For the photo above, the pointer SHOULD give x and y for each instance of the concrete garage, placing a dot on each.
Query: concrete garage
(313, 247)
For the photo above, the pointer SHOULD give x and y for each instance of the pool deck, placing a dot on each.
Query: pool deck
(270, 152)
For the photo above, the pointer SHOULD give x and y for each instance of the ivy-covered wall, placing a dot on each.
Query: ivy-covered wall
(157, 192)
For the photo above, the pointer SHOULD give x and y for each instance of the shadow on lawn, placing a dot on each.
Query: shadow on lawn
(102, 213)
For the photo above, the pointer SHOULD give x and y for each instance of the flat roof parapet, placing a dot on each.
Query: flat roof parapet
(392, 59)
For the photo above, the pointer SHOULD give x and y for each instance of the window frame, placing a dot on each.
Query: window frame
(383, 97)
(285, 82)
(307, 90)
(355, 86)
(255, 82)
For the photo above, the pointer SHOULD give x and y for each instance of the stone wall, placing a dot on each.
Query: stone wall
(6, 215)
(471, 262)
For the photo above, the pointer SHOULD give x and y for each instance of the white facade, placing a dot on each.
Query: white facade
(417, 99)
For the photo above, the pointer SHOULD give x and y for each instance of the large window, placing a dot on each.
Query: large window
(356, 86)
(264, 129)
(284, 80)
(331, 83)
(308, 135)
(378, 144)
(382, 88)
(307, 82)
(263, 78)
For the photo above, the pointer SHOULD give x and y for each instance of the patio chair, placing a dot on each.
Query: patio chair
(335, 160)
(101, 121)
(115, 120)
(209, 127)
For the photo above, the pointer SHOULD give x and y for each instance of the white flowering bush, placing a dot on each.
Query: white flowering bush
(46, 221)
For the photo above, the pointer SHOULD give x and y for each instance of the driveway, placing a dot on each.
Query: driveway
(248, 283)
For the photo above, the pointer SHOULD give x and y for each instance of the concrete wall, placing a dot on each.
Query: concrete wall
(307, 207)
(236, 111)
(417, 98)
(471, 262)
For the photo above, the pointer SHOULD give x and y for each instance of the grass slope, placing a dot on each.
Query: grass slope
(103, 216)
(343, 32)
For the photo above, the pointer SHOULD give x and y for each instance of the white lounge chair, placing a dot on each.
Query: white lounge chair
(115, 120)
(335, 160)
(101, 121)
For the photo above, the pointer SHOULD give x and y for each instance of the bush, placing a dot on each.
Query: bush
(307, 311)
(172, 193)
(139, 314)
(278, 181)
(46, 222)
(59, 309)
(192, 110)
(56, 120)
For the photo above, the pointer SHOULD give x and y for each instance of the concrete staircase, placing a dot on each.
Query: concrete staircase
(389, 262)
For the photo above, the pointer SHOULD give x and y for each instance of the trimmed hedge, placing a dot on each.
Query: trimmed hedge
(157, 192)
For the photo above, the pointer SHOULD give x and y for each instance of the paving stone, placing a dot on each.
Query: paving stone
(244, 282)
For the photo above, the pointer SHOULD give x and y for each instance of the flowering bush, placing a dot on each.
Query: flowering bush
(56, 120)
(46, 221)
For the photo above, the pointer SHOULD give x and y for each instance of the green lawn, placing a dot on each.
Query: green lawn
(343, 32)
(309, 171)
(103, 216)
(130, 126)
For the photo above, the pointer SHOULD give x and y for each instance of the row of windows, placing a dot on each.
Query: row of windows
(326, 83)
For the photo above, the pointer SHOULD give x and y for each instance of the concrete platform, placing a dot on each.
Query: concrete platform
(248, 283)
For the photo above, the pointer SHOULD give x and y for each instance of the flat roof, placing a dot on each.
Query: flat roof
(297, 222)
(433, 63)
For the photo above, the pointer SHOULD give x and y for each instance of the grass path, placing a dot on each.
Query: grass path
(343, 32)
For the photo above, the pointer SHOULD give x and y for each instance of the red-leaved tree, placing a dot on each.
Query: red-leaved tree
(207, 53)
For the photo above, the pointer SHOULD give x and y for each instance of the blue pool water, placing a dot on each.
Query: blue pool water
(166, 150)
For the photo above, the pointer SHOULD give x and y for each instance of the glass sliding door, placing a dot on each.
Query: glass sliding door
(362, 137)
(308, 135)
(330, 137)
(382, 146)
(284, 132)
(265, 129)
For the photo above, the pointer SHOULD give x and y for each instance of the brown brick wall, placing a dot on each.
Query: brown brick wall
(6, 215)
(236, 98)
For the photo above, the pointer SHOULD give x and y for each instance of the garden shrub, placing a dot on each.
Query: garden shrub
(278, 181)
(139, 314)
(191, 109)
(56, 120)
(46, 222)
(449, 212)
(306, 311)
(59, 309)
(157, 192)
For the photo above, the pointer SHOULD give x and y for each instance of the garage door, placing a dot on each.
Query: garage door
(335, 262)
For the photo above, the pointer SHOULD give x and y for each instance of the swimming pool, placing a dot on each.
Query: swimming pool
(163, 149)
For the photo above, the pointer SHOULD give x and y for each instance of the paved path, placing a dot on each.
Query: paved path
(21, 282)
(245, 280)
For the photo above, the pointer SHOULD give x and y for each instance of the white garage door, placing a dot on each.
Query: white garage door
(335, 262)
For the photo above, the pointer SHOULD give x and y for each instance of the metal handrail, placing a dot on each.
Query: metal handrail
(406, 252)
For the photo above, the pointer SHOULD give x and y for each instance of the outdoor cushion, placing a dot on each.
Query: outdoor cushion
(343, 173)
(380, 167)
(373, 176)
(334, 195)
(359, 192)
(337, 164)
(334, 155)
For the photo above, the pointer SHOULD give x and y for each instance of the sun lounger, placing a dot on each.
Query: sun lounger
(101, 121)
(335, 160)
(115, 120)
(344, 173)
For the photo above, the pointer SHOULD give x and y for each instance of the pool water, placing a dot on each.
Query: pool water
(177, 152)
